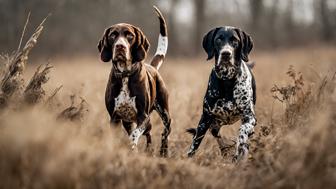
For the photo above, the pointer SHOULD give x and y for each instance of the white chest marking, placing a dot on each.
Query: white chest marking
(124, 104)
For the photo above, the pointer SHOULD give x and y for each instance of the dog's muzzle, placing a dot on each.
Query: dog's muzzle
(120, 53)
(226, 56)
(225, 69)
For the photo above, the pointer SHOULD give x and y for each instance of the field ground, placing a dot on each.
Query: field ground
(36, 151)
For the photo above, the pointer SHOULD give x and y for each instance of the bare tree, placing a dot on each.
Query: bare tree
(199, 23)
(326, 21)
(256, 10)
(173, 41)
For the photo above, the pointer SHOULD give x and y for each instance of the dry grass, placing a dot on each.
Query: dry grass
(12, 82)
(39, 151)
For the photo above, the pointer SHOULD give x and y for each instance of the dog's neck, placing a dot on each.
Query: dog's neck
(228, 72)
(122, 64)
(133, 68)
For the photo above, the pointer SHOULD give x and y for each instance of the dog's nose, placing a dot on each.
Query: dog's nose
(226, 54)
(120, 47)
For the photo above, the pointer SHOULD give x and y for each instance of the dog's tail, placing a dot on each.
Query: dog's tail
(162, 42)
(191, 131)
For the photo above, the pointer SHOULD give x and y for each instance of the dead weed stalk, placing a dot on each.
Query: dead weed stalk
(301, 101)
(12, 84)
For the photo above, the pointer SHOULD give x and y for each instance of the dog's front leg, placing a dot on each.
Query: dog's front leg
(199, 134)
(245, 131)
(142, 121)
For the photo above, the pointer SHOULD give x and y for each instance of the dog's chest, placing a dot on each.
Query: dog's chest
(224, 111)
(125, 104)
(221, 101)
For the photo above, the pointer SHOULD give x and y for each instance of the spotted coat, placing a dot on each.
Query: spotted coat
(231, 93)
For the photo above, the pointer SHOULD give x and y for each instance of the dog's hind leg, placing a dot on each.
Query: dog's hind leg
(162, 107)
(115, 121)
(149, 148)
(128, 127)
(223, 147)
(165, 117)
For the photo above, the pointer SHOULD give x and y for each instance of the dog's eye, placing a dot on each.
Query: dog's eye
(218, 40)
(235, 42)
(129, 37)
(113, 36)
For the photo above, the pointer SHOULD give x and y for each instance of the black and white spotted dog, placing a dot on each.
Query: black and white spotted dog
(231, 92)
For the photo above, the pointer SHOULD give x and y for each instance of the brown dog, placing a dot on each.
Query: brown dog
(135, 88)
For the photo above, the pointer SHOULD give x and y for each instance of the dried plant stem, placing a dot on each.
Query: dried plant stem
(34, 92)
(23, 32)
(52, 96)
(12, 82)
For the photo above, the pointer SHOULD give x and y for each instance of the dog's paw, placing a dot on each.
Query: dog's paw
(235, 159)
(190, 153)
(134, 148)
(164, 152)
(241, 154)
(149, 150)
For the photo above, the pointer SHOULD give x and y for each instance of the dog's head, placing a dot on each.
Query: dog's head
(124, 44)
(230, 46)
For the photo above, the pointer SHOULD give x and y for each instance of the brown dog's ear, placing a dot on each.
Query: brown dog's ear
(246, 44)
(208, 43)
(104, 47)
(140, 46)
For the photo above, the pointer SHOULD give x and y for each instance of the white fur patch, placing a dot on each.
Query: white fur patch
(249, 79)
(228, 48)
(162, 48)
(162, 45)
(135, 135)
(122, 41)
(124, 104)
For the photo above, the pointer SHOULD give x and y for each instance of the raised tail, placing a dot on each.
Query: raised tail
(162, 42)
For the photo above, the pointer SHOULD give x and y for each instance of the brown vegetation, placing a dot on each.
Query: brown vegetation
(293, 145)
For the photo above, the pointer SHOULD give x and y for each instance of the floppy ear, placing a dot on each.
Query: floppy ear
(104, 47)
(140, 46)
(246, 44)
(208, 43)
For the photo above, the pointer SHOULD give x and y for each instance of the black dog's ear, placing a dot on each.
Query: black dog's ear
(104, 47)
(140, 46)
(246, 44)
(208, 43)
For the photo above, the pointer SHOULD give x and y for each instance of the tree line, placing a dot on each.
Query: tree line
(76, 25)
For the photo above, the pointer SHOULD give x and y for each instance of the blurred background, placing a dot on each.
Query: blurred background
(294, 141)
(75, 26)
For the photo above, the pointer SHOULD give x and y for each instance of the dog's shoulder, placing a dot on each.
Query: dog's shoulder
(248, 69)
(218, 88)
